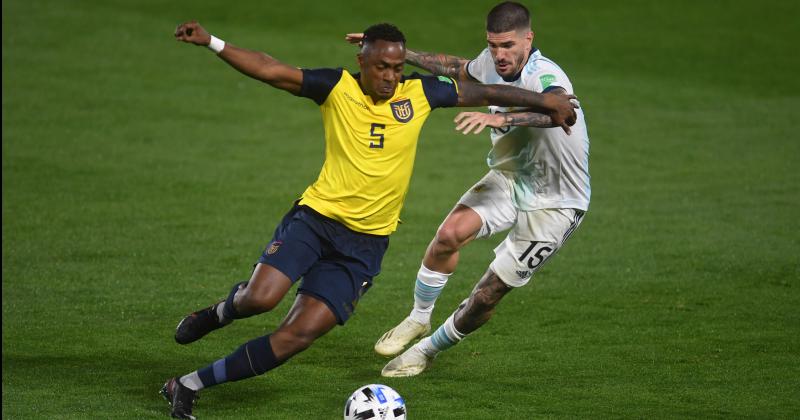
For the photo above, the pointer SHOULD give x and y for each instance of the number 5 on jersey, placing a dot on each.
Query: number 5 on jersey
(377, 132)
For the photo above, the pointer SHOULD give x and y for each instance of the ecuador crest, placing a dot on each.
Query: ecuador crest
(402, 110)
(273, 247)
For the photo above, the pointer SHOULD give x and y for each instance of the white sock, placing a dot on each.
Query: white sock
(443, 338)
(192, 381)
(426, 290)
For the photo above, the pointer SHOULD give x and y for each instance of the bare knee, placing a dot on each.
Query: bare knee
(447, 239)
(251, 301)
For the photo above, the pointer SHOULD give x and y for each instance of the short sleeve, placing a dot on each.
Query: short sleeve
(480, 67)
(441, 91)
(547, 76)
(318, 83)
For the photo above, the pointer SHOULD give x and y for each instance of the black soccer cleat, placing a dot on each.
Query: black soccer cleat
(180, 398)
(197, 324)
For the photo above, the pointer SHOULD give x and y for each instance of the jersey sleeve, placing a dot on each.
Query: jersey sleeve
(440, 91)
(480, 67)
(318, 83)
(549, 77)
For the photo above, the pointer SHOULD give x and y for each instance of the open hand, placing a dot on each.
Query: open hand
(476, 121)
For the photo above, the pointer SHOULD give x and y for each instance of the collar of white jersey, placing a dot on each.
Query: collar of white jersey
(532, 55)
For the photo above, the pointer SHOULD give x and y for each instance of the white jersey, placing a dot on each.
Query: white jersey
(550, 169)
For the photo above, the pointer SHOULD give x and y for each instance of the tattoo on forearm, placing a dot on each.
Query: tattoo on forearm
(439, 64)
(528, 119)
(474, 94)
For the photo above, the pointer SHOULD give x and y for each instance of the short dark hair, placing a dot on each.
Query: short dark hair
(508, 16)
(384, 31)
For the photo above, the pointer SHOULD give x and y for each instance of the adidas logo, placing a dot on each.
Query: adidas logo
(523, 274)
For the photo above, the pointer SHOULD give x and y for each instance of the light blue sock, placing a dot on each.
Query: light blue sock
(443, 338)
(427, 288)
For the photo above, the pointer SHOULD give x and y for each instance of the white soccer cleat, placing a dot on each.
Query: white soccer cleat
(410, 363)
(396, 339)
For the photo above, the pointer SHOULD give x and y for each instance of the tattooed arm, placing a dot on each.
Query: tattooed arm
(557, 106)
(475, 122)
(439, 64)
(531, 118)
(528, 119)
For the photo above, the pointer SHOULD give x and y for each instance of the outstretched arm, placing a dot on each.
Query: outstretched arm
(475, 122)
(438, 64)
(257, 65)
(558, 106)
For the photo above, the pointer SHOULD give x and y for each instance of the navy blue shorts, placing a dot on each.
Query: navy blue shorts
(337, 264)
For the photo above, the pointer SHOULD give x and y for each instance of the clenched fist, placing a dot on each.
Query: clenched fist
(193, 33)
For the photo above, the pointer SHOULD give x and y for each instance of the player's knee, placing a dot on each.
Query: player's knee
(447, 239)
(256, 302)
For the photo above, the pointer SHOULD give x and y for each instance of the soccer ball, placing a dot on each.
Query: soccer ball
(375, 401)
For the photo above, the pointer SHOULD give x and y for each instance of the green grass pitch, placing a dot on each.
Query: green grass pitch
(142, 177)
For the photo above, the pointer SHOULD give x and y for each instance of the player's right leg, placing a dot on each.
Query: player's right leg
(294, 248)
(266, 288)
(441, 258)
(482, 211)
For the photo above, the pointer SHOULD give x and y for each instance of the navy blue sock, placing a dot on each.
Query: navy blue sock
(251, 359)
(229, 311)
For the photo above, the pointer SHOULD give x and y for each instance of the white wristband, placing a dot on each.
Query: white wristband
(216, 44)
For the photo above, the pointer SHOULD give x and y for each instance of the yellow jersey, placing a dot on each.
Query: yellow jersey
(369, 146)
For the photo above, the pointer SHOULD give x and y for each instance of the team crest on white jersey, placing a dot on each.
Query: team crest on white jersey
(402, 110)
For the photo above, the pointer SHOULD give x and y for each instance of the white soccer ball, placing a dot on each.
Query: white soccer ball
(375, 401)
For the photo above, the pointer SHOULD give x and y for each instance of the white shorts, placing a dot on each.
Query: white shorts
(534, 237)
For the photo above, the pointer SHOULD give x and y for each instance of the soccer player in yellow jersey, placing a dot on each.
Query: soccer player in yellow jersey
(335, 236)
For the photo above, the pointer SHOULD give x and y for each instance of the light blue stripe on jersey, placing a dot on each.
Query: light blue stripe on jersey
(426, 293)
(441, 341)
(219, 371)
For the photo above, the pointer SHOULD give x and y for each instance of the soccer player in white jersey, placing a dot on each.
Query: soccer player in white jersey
(537, 188)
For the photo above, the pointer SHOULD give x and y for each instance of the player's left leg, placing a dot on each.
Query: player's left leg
(470, 315)
(308, 319)
(534, 239)
(265, 289)
(483, 210)
(294, 248)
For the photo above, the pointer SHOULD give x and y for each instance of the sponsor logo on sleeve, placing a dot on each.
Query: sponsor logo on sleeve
(547, 80)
